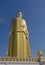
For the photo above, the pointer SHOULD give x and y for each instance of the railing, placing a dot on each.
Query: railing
(18, 59)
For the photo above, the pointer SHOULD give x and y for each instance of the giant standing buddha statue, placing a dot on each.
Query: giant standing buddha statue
(18, 38)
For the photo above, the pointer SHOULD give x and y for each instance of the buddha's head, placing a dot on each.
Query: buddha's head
(19, 14)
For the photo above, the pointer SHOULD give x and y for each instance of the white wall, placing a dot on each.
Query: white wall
(18, 63)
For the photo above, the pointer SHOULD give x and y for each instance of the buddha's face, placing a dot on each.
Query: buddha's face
(19, 14)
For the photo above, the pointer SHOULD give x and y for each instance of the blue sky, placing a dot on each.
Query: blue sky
(33, 13)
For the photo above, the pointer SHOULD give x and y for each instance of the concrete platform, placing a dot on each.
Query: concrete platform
(19, 63)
